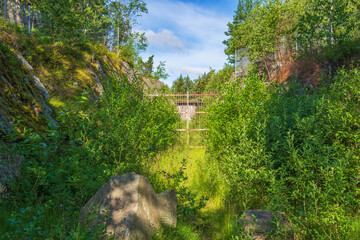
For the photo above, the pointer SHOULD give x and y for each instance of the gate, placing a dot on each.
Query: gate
(192, 108)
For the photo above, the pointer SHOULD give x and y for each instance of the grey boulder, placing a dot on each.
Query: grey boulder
(263, 225)
(128, 208)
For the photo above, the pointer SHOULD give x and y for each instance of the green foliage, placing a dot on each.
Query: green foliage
(187, 204)
(256, 29)
(160, 72)
(147, 69)
(123, 16)
(183, 231)
(284, 148)
(68, 165)
(236, 141)
(241, 14)
(202, 82)
(325, 22)
(73, 19)
(183, 85)
(219, 79)
(149, 66)
(48, 221)
(208, 82)
(270, 32)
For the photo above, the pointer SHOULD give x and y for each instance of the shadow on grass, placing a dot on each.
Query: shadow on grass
(183, 231)
(5, 213)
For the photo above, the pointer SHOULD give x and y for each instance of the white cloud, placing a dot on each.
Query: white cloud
(197, 31)
(194, 70)
(164, 38)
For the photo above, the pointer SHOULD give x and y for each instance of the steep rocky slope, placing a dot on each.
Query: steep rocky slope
(37, 79)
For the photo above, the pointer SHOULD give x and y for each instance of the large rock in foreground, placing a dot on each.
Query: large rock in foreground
(129, 208)
(262, 225)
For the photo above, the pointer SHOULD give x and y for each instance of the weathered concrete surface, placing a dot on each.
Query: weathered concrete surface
(129, 208)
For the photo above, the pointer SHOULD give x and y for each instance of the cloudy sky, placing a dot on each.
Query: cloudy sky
(186, 34)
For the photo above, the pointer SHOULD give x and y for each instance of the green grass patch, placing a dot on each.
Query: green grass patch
(57, 102)
(354, 233)
(215, 220)
(183, 231)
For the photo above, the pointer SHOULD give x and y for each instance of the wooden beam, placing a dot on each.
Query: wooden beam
(193, 112)
(191, 130)
(181, 95)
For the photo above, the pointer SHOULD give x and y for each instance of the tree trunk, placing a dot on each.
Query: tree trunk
(5, 10)
(17, 12)
(29, 19)
(10, 12)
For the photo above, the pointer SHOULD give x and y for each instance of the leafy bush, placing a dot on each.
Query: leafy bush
(285, 148)
(237, 142)
(188, 205)
(68, 165)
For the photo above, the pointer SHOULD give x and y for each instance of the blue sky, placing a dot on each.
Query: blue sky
(186, 34)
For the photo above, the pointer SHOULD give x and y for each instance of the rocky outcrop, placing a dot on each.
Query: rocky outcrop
(5, 125)
(128, 208)
(262, 225)
(38, 84)
(9, 166)
(22, 96)
(129, 71)
(99, 88)
(45, 109)
(152, 84)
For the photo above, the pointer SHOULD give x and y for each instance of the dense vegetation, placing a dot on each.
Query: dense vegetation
(272, 31)
(66, 166)
(290, 150)
(285, 137)
(208, 82)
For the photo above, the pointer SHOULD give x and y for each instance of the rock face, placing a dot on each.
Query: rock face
(128, 208)
(262, 225)
(36, 81)
(9, 167)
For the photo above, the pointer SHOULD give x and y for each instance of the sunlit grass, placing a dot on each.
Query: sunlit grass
(183, 231)
(57, 102)
(354, 233)
(216, 219)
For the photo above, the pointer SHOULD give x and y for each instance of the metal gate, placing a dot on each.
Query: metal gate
(193, 109)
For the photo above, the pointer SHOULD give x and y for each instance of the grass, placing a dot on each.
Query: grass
(216, 219)
(354, 234)
(183, 231)
(57, 102)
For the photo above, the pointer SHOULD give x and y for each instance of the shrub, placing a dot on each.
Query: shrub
(284, 148)
(68, 165)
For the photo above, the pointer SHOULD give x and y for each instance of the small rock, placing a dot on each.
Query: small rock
(262, 225)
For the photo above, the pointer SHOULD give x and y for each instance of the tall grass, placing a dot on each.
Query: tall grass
(202, 211)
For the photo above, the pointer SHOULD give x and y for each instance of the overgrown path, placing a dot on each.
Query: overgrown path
(214, 220)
